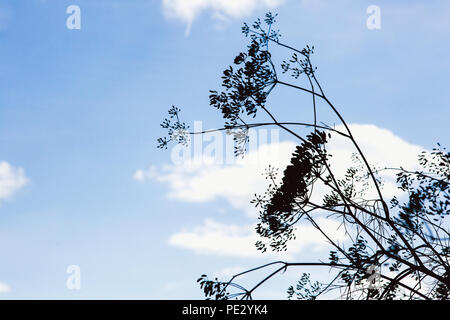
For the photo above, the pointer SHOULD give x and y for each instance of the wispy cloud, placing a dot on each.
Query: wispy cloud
(188, 10)
(4, 288)
(11, 180)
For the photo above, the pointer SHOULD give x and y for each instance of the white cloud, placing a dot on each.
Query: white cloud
(142, 175)
(381, 148)
(207, 180)
(4, 288)
(202, 180)
(188, 10)
(239, 240)
(11, 180)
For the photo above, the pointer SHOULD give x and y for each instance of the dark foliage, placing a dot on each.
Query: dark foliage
(284, 202)
(405, 248)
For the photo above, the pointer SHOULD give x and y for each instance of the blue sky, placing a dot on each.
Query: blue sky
(80, 113)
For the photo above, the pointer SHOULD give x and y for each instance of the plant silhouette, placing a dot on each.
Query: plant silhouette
(402, 244)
